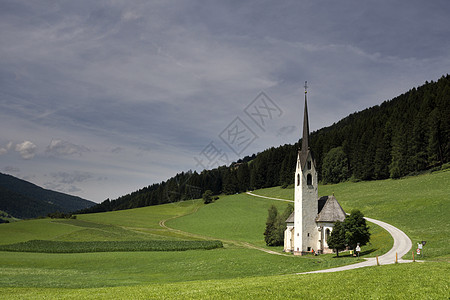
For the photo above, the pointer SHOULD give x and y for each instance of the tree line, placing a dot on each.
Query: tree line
(402, 136)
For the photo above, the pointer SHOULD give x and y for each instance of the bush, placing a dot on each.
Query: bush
(207, 196)
(60, 215)
(276, 225)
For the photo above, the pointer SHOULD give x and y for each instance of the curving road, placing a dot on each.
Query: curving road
(402, 245)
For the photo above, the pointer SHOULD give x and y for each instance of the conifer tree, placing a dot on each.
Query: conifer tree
(336, 240)
(270, 232)
(335, 167)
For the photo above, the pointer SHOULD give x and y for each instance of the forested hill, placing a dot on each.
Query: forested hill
(23, 200)
(407, 134)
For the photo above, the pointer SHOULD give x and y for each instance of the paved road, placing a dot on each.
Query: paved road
(402, 244)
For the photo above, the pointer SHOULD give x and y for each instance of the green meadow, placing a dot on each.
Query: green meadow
(241, 269)
(419, 205)
(404, 281)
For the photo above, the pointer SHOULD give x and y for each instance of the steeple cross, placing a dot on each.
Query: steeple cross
(306, 86)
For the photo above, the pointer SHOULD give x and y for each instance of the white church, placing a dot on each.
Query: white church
(311, 222)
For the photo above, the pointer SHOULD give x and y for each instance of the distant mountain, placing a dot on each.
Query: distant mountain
(23, 200)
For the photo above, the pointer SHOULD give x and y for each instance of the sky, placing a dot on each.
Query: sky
(101, 98)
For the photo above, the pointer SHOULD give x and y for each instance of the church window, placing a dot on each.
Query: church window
(327, 234)
(309, 249)
(298, 179)
(309, 179)
(309, 165)
(308, 233)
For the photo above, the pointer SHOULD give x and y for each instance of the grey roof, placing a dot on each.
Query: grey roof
(321, 203)
(304, 151)
(305, 138)
(331, 211)
(290, 219)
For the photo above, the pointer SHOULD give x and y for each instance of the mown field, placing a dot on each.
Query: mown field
(80, 270)
(235, 271)
(242, 218)
(405, 281)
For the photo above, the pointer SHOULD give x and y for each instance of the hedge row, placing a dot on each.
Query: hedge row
(108, 246)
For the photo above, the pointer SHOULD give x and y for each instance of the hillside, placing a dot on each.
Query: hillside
(23, 199)
(236, 269)
(402, 136)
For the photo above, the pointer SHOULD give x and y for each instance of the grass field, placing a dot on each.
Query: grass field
(130, 268)
(419, 206)
(235, 217)
(234, 271)
(242, 218)
(406, 281)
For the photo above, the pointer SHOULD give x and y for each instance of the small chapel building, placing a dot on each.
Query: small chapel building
(312, 221)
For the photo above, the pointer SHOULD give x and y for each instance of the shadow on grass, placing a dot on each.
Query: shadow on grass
(347, 253)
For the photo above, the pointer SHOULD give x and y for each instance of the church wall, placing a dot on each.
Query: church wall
(324, 226)
(305, 206)
(288, 238)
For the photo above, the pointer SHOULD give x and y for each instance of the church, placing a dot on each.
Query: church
(312, 221)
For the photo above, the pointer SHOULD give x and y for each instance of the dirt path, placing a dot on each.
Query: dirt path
(251, 194)
(402, 245)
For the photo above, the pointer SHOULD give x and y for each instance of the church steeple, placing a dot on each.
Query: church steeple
(305, 237)
(305, 138)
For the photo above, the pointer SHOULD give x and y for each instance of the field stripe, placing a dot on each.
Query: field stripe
(278, 199)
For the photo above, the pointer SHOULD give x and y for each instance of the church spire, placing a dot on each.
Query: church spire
(305, 137)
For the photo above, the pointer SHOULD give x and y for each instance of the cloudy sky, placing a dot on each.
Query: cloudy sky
(100, 98)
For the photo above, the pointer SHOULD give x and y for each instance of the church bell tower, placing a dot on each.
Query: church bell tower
(305, 194)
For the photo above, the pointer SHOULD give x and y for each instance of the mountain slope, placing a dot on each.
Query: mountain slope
(23, 199)
(405, 135)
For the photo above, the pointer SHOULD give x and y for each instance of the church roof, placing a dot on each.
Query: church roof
(291, 218)
(321, 203)
(305, 150)
(331, 210)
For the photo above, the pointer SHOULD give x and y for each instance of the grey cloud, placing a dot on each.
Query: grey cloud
(53, 186)
(71, 177)
(73, 189)
(11, 169)
(286, 130)
(116, 150)
(4, 150)
(62, 187)
(169, 76)
(26, 149)
(59, 147)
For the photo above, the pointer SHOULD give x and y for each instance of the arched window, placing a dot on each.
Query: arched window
(327, 234)
(298, 179)
(309, 165)
(309, 179)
